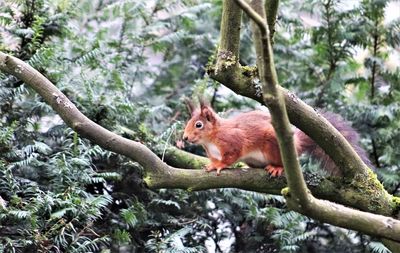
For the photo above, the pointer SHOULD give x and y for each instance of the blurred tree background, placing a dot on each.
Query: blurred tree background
(127, 65)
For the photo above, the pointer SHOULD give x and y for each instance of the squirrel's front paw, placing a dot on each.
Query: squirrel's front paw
(211, 167)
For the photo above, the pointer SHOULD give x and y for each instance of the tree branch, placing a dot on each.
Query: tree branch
(271, 8)
(182, 159)
(75, 119)
(229, 44)
(297, 195)
(365, 193)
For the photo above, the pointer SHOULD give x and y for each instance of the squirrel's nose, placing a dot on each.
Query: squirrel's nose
(185, 138)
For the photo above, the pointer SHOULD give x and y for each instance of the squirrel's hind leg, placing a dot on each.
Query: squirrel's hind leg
(274, 171)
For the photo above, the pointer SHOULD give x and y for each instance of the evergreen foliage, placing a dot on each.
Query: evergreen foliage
(128, 65)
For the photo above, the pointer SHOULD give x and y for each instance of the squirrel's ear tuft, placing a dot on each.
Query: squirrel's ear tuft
(203, 102)
(206, 110)
(190, 105)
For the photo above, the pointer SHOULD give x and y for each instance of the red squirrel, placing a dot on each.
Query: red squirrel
(250, 137)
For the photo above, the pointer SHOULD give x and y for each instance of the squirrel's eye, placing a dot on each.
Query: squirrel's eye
(199, 124)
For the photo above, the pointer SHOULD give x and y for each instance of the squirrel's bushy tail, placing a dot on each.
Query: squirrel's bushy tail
(310, 147)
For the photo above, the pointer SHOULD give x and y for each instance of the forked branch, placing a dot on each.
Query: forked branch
(297, 195)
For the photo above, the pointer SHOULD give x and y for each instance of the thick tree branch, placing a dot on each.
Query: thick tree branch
(338, 215)
(365, 193)
(75, 119)
(297, 195)
(228, 50)
(253, 179)
(195, 180)
(271, 8)
(257, 32)
(181, 159)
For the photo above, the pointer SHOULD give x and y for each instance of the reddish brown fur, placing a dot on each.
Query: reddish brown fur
(235, 137)
(240, 136)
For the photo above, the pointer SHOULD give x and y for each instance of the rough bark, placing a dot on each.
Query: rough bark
(297, 195)
(230, 39)
(271, 7)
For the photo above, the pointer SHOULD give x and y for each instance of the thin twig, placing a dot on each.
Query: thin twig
(260, 21)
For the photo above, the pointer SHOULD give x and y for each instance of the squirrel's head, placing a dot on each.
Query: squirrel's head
(201, 124)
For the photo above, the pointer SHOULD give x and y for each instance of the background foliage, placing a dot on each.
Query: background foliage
(127, 65)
